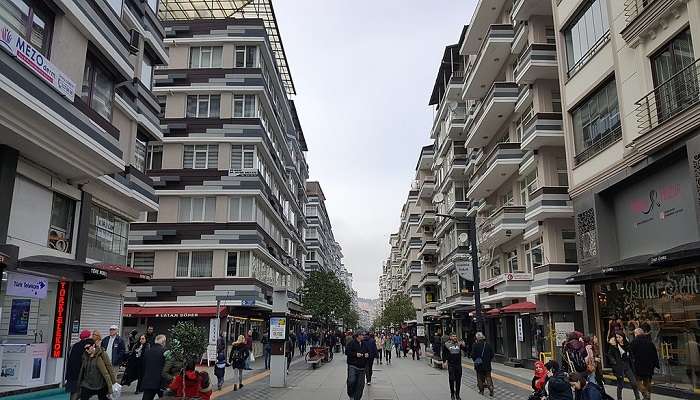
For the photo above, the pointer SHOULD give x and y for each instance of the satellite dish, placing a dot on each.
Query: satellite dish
(439, 161)
(439, 198)
(462, 238)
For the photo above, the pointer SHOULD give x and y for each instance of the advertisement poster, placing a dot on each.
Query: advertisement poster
(562, 329)
(420, 331)
(26, 285)
(19, 316)
(10, 371)
(278, 328)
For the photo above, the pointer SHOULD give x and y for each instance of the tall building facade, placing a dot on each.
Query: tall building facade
(230, 173)
(76, 112)
(630, 93)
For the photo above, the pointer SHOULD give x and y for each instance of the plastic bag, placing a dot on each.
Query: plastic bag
(252, 357)
(116, 391)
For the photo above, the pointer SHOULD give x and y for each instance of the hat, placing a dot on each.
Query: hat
(113, 327)
(85, 334)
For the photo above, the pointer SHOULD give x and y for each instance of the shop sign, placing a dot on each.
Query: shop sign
(248, 302)
(36, 62)
(669, 286)
(465, 269)
(519, 322)
(59, 323)
(23, 285)
(176, 315)
(504, 278)
(213, 330)
(278, 328)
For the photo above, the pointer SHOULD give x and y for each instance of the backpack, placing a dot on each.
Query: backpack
(237, 355)
(575, 361)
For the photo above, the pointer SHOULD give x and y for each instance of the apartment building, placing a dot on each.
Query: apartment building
(230, 173)
(390, 279)
(324, 252)
(77, 108)
(630, 93)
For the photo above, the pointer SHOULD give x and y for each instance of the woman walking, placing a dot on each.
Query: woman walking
(96, 373)
(388, 347)
(134, 366)
(404, 345)
(380, 348)
(619, 355)
(239, 353)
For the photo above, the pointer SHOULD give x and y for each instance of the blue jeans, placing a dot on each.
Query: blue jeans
(267, 353)
(356, 382)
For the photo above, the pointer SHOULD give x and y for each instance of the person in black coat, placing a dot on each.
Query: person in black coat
(153, 365)
(482, 354)
(134, 366)
(620, 360)
(557, 386)
(646, 359)
(75, 360)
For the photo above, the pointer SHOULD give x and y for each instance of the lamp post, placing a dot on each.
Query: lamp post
(474, 254)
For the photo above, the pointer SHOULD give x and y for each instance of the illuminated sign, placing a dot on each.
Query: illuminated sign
(59, 323)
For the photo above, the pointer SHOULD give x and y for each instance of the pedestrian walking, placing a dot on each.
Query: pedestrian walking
(538, 381)
(397, 344)
(289, 352)
(293, 337)
(357, 354)
(557, 386)
(302, 342)
(97, 376)
(220, 344)
(73, 365)
(585, 390)
(267, 349)
(134, 365)
(380, 348)
(452, 360)
(114, 346)
(238, 357)
(150, 336)
(133, 340)
(220, 370)
(645, 360)
(388, 346)
(482, 354)
(415, 347)
(154, 374)
(619, 357)
(249, 346)
(404, 345)
(372, 346)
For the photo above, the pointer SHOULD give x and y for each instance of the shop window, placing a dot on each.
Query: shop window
(534, 254)
(154, 157)
(246, 57)
(568, 236)
(30, 19)
(195, 264)
(108, 236)
(238, 263)
(98, 88)
(61, 225)
(197, 209)
(201, 156)
(206, 57)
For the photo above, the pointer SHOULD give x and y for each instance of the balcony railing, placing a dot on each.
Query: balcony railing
(635, 7)
(677, 94)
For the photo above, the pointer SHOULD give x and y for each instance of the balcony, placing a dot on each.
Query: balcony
(494, 110)
(133, 186)
(473, 160)
(503, 225)
(427, 156)
(459, 208)
(458, 162)
(454, 85)
(492, 56)
(456, 121)
(549, 202)
(501, 163)
(524, 9)
(676, 99)
(415, 243)
(427, 219)
(429, 278)
(539, 61)
(544, 129)
(643, 17)
(429, 248)
(520, 39)
(427, 187)
(485, 13)
(145, 105)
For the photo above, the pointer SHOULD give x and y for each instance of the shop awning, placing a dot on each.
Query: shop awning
(585, 276)
(493, 312)
(630, 264)
(172, 312)
(56, 265)
(133, 274)
(524, 306)
(677, 254)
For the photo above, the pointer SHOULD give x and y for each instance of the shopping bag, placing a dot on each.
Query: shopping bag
(116, 391)
(252, 357)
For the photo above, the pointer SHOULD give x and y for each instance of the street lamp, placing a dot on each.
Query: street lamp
(474, 254)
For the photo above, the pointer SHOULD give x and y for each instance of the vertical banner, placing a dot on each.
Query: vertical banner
(59, 323)
(693, 147)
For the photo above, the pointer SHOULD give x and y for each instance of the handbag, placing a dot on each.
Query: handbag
(479, 360)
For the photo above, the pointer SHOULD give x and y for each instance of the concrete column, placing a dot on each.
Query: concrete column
(8, 171)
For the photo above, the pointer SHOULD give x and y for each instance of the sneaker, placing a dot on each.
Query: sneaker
(491, 393)
(240, 386)
(235, 387)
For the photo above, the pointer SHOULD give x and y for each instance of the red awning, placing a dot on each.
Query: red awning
(524, 306)
(172, 312)
(125, 271)
(494, 311)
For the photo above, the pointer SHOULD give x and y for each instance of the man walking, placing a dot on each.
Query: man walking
(646, 359)
(114, 346)
(415, 347)
(397, 344)
(372, 346)
(154, 377)
(452, 360)
(357, 354)
(482, 354)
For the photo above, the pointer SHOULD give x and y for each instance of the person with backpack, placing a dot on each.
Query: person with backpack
(574, 353)
(621, 363)
(557, 386)
(237, 358)
(482, 354)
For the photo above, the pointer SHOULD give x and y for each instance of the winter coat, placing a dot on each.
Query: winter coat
(239, 353)
(397, 340)
(483, 350)
(617, 360)
(187, 384)
(644, 356)
(103, 365)
(154, 377)
(75, 361)
(558, 387)
(372, 346)
(134, 366)
(591, 392)
(118, 349)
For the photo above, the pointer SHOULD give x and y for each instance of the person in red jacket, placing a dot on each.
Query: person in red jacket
(187, 384)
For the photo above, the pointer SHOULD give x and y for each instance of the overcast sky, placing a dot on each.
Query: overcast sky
(364, 71)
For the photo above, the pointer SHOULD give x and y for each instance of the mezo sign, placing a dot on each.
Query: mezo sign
(36, 62)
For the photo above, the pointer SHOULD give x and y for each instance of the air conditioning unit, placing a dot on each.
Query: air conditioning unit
(134, 41)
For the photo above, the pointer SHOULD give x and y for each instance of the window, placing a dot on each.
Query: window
(583, 35)
(568, 236)
(523, 120)
(311, 233)
(108, 236)
(243, 156)
(528, 186)
(203, 106)
(596, 122)
(311, 255)
(142, 261)
(61, 224)
(242, 209)
(246, 56)
(147, 72)
(677, 86)
(196, 264)
(206, 57)
(201, 156)
(461, 193)
(506, 199)
(534, 254)
(512, 261)
(562, 172)
(244, 106)
(30, 19)
(238, 263)
(556, 101)
(197, 209)
(140, 155)
(550, 34)
(311, 211)
(98, 88)
(154, 157)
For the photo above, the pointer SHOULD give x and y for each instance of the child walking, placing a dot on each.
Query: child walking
(220, 369)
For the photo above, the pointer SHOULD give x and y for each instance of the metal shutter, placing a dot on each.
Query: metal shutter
(100, 311)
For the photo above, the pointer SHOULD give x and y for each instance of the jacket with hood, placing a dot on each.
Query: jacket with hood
(187, 384)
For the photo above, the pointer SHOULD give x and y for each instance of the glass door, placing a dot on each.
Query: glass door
(675, 80)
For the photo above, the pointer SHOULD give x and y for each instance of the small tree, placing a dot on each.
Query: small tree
(326, 297)
(188, 341)
(398, 310)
